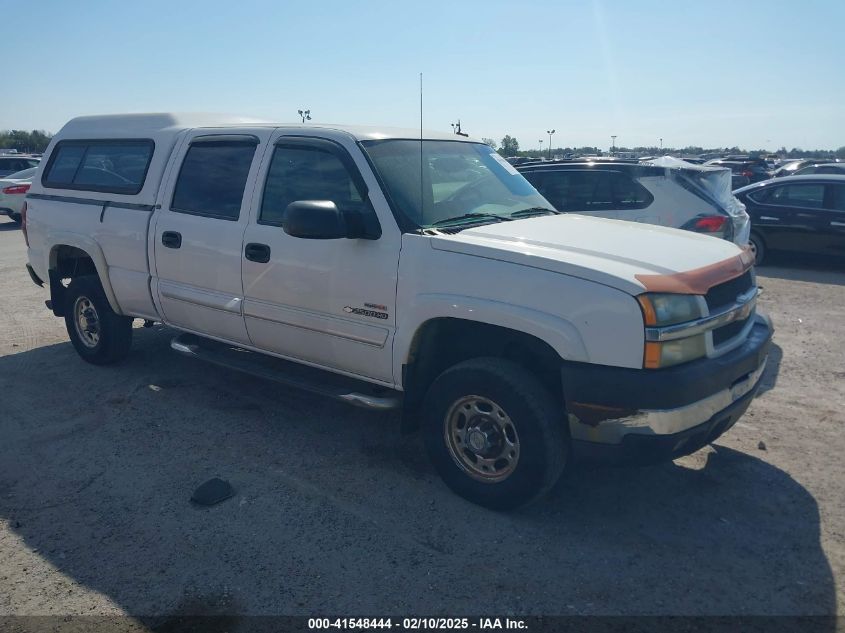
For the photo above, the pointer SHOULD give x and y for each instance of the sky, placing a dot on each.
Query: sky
(710, 73)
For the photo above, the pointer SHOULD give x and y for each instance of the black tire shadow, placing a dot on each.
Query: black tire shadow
(335, 513)
(769, 379)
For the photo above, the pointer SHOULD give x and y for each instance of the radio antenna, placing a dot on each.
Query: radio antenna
(422, 194)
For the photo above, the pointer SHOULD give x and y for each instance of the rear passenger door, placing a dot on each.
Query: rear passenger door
(199, 232)
(792, 217)
(835, 208)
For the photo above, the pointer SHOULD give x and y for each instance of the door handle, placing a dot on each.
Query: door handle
(171, 239)
(770, 218)
(257, 253)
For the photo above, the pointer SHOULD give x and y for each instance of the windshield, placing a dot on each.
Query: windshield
(461, 181)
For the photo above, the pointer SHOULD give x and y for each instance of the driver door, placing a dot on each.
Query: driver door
(332, 302)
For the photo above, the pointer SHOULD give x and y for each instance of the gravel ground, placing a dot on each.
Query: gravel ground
(336, 513)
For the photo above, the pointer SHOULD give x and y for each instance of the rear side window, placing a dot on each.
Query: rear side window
(837, 197)
(592, 191)
(16, 164)
(213, 178)
(118, 166)
(298, 173)
(808, 196)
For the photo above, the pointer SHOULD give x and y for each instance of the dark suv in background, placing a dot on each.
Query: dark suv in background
(746, 171)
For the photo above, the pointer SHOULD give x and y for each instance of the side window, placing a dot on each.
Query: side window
(809, 196)
(305, 173)
(762, 195)
(213, 178)
(575, 191)
(837, 197)
(118, 166)
(629, 194)
(64, 163)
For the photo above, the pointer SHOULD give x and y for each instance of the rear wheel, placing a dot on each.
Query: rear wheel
(494, 434)
(758, 248)
(99, 334)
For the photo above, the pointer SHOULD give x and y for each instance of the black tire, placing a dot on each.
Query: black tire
(114, 332)
(758, 247)
(537, 419)
(16, 218)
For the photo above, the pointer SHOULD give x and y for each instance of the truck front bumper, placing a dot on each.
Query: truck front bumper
(641, 415)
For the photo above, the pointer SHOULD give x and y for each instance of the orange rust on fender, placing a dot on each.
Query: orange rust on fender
(699, 280)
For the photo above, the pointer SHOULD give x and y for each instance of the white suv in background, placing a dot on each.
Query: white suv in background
(663, 191)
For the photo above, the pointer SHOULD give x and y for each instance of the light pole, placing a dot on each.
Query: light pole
(540, 143)
(661, 145)
(613, 144)
(550, 132)
(305, 114)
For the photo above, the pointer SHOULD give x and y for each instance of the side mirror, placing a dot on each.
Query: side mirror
(314, 220)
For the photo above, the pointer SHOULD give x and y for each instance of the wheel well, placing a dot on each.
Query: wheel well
(66, 262)
(443, 342)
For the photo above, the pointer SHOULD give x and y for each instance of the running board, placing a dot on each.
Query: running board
(324, 383)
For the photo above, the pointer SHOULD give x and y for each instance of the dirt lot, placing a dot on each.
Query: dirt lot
(336, 513)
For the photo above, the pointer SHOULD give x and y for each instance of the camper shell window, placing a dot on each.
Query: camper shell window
(108, 166)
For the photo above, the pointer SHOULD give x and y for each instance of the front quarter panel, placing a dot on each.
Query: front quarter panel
(581, 320)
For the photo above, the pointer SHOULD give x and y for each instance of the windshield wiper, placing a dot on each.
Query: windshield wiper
(472, 216)
(531, 211)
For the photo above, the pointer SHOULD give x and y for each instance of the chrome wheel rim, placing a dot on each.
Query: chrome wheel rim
(482, 439)
(87, 322)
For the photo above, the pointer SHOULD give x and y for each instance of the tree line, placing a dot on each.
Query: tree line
(34, 142)
(509, 146)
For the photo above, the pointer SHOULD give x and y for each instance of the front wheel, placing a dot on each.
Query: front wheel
(494, 434)
(99, 334)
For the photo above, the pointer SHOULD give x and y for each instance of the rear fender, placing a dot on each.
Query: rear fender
(90, 246)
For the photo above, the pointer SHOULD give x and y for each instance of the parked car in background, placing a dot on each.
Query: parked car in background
(754, 170)
(796, 214)
(790, 168)
(666, 192)
(13, 164)
(836, 169)
(13, 190)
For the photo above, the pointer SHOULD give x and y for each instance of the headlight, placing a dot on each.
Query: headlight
(669, 309)
(660, 310)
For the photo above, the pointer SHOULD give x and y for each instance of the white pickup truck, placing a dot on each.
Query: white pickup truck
(392, 269)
